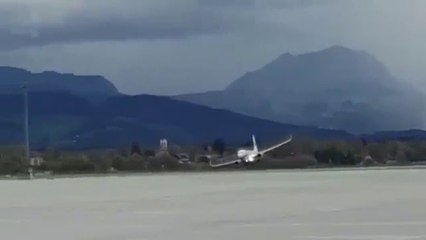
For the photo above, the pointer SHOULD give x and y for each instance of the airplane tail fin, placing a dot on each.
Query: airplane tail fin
(254, 144)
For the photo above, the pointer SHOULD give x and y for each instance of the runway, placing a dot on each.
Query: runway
(303, 205)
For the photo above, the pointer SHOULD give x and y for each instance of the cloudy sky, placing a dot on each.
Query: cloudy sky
(177, 46)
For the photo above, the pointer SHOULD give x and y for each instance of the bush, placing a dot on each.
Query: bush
(69, 165)
(163, 161)
(11, 166)
(133, 163)
(101, 160)
(338, 153)
(219, 146)
(149, 153)
(330, 156)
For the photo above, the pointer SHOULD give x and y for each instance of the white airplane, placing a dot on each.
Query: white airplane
(247, 156)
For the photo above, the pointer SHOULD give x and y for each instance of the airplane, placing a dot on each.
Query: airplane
(247, 156)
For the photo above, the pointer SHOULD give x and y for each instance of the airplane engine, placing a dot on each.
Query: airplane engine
(257, 157)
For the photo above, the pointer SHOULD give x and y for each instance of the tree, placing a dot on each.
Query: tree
(378, 152)
(393, 149)
(415, 151)
(135, 163)
(350, 159)
(149, 153)
(101, 160)
(401, 157)
(11, 165)
(174, 149)
(304, 146)
(135, 149)
(219, 146)
(70, 164)
(118, 163)
(364, 142)
(330, 155)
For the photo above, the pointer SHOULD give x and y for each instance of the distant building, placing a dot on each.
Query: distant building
(182, 157)
(36, 161)
(163, 145)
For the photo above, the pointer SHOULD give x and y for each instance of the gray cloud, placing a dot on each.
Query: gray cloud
(43, 22)
(228, 3)
(27, 24)
(294, 3)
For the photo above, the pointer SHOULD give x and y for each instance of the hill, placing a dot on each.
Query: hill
(406, 135)
(336, 88)
(63, 115)
(49, 81)
(65, 120)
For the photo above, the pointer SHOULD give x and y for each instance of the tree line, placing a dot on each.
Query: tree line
(299, 153)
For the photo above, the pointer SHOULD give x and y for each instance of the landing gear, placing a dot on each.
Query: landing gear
(242, 163)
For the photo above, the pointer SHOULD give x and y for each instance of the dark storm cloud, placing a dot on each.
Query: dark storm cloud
(117, 20)
(80, 28)
(44, 22)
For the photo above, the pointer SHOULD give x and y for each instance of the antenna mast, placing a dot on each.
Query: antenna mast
(26, 124)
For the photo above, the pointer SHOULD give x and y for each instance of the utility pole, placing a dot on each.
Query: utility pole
(26, 124)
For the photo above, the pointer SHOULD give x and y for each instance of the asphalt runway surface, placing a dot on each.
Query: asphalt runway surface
(303, 205)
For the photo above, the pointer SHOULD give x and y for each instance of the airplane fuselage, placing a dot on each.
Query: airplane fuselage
(249, 156)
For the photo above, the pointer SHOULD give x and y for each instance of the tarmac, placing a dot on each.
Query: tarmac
(339, 205)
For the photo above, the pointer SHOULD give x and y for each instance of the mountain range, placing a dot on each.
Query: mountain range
(312, 95)
(64, 120)
(64, 115)
(335, 88)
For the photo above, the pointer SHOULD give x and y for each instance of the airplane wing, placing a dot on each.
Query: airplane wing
(222, 162)
(277, 146)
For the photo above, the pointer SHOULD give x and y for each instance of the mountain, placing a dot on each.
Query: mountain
(63, 115)
(407, 135)
(188, 123)
(89, 86)
(65, 120)
(335, 88)
(52, 116)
